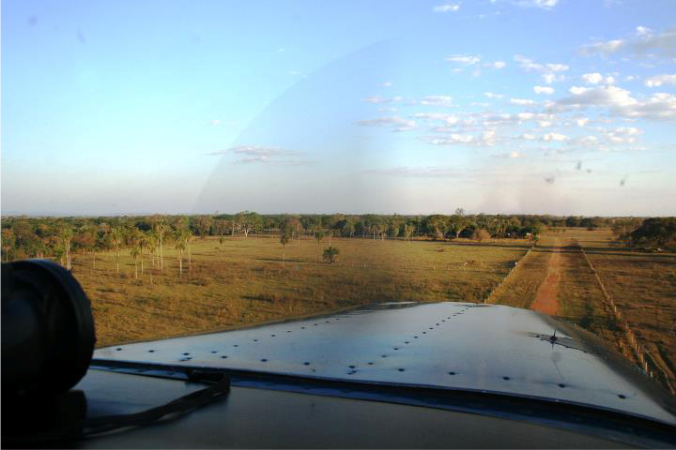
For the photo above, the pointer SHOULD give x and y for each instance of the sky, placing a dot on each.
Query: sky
(563, 107)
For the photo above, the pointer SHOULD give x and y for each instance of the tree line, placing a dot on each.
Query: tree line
(36, 237)
(657, 234)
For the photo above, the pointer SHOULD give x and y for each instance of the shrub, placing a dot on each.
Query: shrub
(331, 254)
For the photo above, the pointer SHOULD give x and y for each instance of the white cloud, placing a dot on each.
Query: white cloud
(659, 80)
(544, 123)
(660, 106)
(397, 123)
(603, 47)
(582, 122)
(592, 78)
(554, 137)
(543, 4)
(496, 65)
(445, 118)
(453, 138)
(436, 100)
(644, 44)
(521, 101)
(628, 131)
(587, 140)
(557, 67)
(465, 60)
(376, 99)
(550, 78)
(215, 122)
(448, 7)
(609, 95)
(623, 135)
(643, 31)
(543, 90)
(510, 155)
(252, 154)
(493, 95)
(387, 84)
(550, 72)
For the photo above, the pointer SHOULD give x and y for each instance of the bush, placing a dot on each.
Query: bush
(480, 234)
(331, 254)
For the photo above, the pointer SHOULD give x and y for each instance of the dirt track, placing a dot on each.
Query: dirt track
(545, 299)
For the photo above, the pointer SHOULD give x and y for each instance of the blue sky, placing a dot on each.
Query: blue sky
(414, 107)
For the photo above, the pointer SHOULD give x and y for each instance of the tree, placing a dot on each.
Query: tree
(203, 226)
(480, 234)
(408, 231)
(331, 254)
(66, 236)
(284, 239)
(658, 232)
(160, 232)
(134, 239)
(103, 240)
(180, 246)
(188, 238)
(144, 242)
(436, 226)
(8, 243)
(459, 222)
(117, 239)
(27, 244)
(319, 236)
(135, 251)
(249, 221)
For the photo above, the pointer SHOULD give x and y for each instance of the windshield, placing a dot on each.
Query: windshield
(212, 165)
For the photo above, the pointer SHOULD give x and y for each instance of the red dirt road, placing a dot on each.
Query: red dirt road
(545, 299)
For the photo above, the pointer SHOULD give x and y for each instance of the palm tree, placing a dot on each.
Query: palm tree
(144, 241)
(319, 235)
(180, 246)
(160, 230)
(188, 238)
(153, 242)
(284, 239)
(135, 251)
(117, 238)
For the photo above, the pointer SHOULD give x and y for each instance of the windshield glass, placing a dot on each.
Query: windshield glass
(211, 165)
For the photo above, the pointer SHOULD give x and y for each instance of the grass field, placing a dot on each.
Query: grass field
(242, 281)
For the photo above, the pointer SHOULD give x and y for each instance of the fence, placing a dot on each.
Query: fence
(516, 266)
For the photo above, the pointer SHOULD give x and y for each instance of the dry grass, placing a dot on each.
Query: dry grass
(520, 288)
(242, 281)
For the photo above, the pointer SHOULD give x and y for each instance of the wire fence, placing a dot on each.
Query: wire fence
(515, 267)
